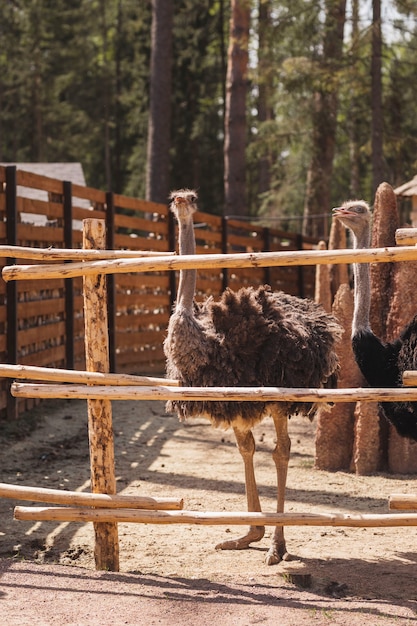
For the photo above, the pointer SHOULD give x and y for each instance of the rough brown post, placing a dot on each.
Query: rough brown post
(100, 428)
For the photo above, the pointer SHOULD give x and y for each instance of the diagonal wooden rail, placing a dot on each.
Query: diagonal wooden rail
(34, 372)
(72, 254)
(78, 498)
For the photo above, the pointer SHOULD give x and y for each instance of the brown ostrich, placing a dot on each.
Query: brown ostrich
(382, 364)
(252, 337)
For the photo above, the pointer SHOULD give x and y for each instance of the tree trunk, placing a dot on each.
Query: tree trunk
(235, 116)
(378, 173)
(355, 104)
(265, 112)
(157, 166)
(318, 193)
(106, 78)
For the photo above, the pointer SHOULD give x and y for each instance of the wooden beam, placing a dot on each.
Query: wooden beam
(77, 498)
(263, 394)
(71, 254)
(406, 236)
(34, 372)
(211, 261)
(410, 378)
(403, 501)
(212, 518)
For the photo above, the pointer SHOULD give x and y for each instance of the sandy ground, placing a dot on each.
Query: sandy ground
(172, 574)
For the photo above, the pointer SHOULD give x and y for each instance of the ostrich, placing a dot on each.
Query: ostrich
(252, 337)
(382, 364)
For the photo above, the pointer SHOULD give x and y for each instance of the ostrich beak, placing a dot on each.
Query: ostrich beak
(342, 211)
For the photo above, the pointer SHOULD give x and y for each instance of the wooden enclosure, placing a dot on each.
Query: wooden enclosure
(41, 323)
(109, 507)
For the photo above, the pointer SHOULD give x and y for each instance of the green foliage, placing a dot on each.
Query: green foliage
(74, 85)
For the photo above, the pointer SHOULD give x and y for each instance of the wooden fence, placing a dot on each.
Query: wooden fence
(43, 325)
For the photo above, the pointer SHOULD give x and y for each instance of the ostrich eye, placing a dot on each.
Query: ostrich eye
(193, 198)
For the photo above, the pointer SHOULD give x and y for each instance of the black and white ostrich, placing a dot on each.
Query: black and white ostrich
(382, 364)
(252, 337)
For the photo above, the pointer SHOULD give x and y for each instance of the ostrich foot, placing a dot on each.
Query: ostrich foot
(255, 534)
(275, 556)
(278, 552)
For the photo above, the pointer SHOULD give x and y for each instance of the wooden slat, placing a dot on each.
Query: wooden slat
(140, 243)
(141, 301)
(39, 290)
(29, 232)
(37, 181)
(39, 308)
(39, 334)
(126, 202)
(88, 193)
(142, 361)
(45, 357)
(147, 337)
(126, 322)
(2, 230)
(131, 281)
(139, 224)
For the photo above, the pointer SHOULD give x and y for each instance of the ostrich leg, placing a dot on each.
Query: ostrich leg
(281, 456)
(246, 445)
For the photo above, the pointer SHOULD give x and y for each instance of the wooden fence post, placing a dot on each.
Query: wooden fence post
(111, 281)
(69, 282)
(225, 233)
(267, 248)
(172, 245)
(100, 427)
(301, 290)
(11, 290)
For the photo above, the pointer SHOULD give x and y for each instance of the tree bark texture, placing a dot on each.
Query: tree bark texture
(376, 98)
(100, 429)
(235, 115)
(159, 129)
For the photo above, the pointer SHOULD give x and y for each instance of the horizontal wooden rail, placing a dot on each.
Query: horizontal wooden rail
(76, 498)
(403, 501)
(252, 394)
(34, 372)
(70, 254)
(406, 236)
(211, 261)
(72, 514)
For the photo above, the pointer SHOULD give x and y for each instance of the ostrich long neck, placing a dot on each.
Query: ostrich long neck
(188, 278)
(362, 286)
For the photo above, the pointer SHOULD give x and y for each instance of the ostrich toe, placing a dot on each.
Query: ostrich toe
(255, 534)
(276, 555)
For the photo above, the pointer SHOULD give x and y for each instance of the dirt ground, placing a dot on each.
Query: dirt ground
(172, 574)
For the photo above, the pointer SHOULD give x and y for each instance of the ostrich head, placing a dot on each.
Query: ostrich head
(183, 204)
(355, 215)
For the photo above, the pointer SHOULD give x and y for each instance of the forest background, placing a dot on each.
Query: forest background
(270, 109)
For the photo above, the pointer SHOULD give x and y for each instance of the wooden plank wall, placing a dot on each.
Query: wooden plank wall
(49, 314)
